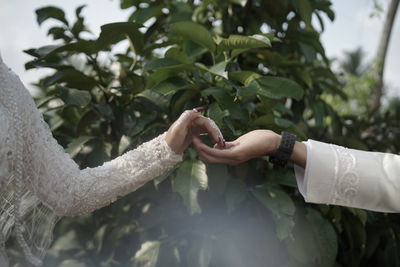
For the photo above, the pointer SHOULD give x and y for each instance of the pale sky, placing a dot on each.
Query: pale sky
(352, 28)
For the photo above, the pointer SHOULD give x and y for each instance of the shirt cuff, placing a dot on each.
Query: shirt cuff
(316, 181)
(302, 174)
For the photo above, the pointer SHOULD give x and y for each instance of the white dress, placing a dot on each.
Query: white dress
(40, 182)
(349, 177)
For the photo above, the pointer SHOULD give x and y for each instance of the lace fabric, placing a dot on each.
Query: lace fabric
(40, 182)
(346, 177)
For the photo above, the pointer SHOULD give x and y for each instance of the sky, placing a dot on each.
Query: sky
(351, 29)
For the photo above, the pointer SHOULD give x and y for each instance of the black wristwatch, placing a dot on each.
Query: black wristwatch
(284, 151)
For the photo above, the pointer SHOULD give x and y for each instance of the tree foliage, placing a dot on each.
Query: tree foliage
(254, 64)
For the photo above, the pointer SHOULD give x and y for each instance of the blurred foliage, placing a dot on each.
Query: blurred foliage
(358, 79)
(254, 64)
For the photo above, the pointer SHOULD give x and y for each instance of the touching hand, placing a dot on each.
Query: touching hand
(190, 124)
(248, 146)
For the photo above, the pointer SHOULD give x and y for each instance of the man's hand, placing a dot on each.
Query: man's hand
(248, 146)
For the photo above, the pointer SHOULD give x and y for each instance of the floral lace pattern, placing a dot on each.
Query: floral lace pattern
(40, 182)
(346, 177)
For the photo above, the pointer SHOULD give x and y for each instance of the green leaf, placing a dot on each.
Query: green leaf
(215, 112)
(284, 226)
(99, 153)
(76, 145)
(77, 47)
(124, 143)
(360, 214)
(105, 110)
(71, 78)
(190, 178)
(283, 122)
(218, 69)
(141, 15)
(200, 252)
(244, 77)
(239, 2)
(303, 7)
(74, 97)
(225, 100)
(43, 101)
(67, 241)
(244, 42)
(45, 13)
(115, 32)
(124, 4)
(195, 32)
(59, 33)
(159, 75)
(164, 63)
(325, 237)
(218, 177)
(275, 199)
(284, 177)
(305, 76)
(281, 205)
(43, 51)
(98, 238)
(78, 10)
(265, 121)
(170, 85)
(318, 109)
(147, 255)
(177, 54)
(275, 88)
(235, 193)
(79, 25)
(283, 110)
(193, 50)
(308, 51)
(180, 11)
(305, 11)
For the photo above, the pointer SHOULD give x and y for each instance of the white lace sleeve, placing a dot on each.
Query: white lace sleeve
(349, 177)
(56, 179)
(70, 191)
(39, 181)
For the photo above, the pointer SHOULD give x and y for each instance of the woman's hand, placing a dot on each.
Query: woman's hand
(190, 124)
(248, 146)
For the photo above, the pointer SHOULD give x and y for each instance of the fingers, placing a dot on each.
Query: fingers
(187, 117)
(210, 158)
(205, 125)
(226, 146)
(213, 128)
(199, 109)
(226, 154)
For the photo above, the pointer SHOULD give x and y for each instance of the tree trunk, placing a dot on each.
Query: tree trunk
(381, 56)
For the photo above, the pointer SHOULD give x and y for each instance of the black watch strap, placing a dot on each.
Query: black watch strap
(285, 149)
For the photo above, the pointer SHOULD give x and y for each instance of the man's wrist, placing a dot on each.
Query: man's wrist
(299, 155)
(283, 149)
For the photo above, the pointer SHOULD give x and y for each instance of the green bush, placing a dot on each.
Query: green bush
(253, 64)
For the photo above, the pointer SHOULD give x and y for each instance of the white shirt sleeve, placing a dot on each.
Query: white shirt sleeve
(348, 177)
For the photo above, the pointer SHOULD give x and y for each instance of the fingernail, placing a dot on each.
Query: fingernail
(221, 141)
(198, 109)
